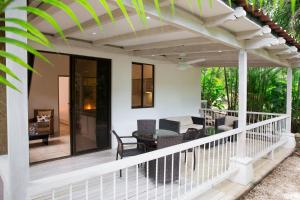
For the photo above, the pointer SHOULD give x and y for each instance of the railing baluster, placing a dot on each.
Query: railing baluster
(164, 188)
(172, 176)
(185, 169)
(87, 189)
(198, 165)
(114, 187)
(203, 162)
(213, 160)
(156, 175)
(126, 183)
(101, 187)
(53, 195)
(192, 167)
(179, 176)
(208, 161)
(218, 155)
(70, 192)
(147, 180)
(137, 182)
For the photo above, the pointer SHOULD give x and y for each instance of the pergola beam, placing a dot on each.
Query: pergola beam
(194, 24)
(220, 19)
(104, 19)
(258, 43)
(52, 10)
(213, 48)
(170, 43)
(141, 33)
(265, 30)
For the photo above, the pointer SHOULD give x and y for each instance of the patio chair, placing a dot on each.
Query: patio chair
(163, 142)
(226, 123)
(130, 151)
(146, 125)
(192, 134)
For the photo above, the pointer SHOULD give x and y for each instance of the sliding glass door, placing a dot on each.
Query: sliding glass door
(91, 97)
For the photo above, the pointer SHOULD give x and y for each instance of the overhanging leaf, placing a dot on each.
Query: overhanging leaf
(29, 27)
(23, 45)
(62, 6)
(23, 33)
(8, 71)
(125, 13)
(91, 11)
(107, 9)
(157, 7)
(48, 18)
(7, 83)
(16, 59)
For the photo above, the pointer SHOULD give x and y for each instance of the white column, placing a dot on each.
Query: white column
(289, 83)
(290, 137)
(244, 165)
(17, 116)
(242, 118)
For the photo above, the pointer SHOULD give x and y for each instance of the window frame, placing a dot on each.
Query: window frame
(142, 85)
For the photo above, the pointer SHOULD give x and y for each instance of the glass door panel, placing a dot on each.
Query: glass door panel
(91, 104)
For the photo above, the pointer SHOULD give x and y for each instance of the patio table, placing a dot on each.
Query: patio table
(150, 137)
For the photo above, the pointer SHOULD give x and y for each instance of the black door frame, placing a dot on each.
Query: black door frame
(71, 107)
(72, 103)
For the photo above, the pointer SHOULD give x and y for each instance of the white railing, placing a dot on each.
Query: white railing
(252, 117)
(165, 173)
(265, 136)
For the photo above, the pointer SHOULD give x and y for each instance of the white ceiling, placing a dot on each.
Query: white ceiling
(121, 27)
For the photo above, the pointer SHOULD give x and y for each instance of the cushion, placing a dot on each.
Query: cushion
(32, 129)
(225, 128)
(46, 112)
(229, 120)
(43, 118)
(183, 120)
(183, 129)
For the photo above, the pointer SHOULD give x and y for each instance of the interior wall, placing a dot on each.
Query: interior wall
(64, 100)
(177, 92)
(44, 86)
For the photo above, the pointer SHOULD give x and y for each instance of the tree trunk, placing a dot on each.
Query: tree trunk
(226, 88)
(3, 121)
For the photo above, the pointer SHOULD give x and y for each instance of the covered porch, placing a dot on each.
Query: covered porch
(177, 45)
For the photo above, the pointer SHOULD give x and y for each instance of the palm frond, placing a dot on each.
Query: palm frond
(4, 81)
(62, 6)
(16, 59)
(107, 9)
(24, 46)
(87, 6)
(125, 13)
(47, 17)
(28, 27)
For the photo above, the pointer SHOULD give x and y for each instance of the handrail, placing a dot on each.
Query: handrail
(110, 167)
(236, 111)
(268, 121)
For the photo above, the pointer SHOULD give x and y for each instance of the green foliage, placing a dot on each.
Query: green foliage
(213, 87)
(266, 90)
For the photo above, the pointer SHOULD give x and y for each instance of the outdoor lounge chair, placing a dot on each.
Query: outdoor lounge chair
(182, 124)
(226, 123)
(127, 152)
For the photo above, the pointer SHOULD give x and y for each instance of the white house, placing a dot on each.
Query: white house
(93, 87)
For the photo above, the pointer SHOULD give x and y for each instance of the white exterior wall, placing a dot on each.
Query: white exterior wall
(177, 92)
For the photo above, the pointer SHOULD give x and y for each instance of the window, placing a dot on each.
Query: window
(142, 85)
